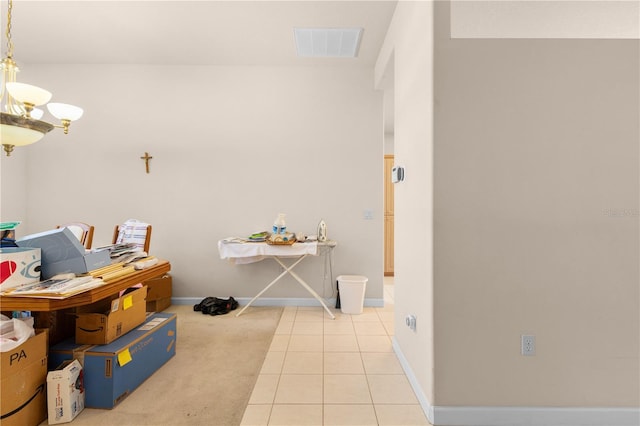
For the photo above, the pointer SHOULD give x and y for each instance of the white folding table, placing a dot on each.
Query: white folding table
(241, 252)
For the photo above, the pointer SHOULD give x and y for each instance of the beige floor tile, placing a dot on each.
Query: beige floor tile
(374, 344)
(343, 363)
(349, 414)
(284, 327)
(302, 363)
(367, 315)
(307, 327)
(310, 314)
(299, 389)
(369, 328)
(279, 343)
(273, 363)
(256, 415)
(305, 343)
(381, 363)
(339, 316)
(390, 327)
(289, 314)
(339, 327)
(346, 389)
(391, 389)
(264, 391)
(398, 415)
(388, 306)
(340, 343)
(296, 415)
(386, 315)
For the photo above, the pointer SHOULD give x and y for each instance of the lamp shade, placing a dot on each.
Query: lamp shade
(65, 111)
(37, 113)
(17, 130)
(26, 93)
(19, 136)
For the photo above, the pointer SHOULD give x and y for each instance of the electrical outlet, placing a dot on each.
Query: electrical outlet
(410, 320)
(527, 345)
(368, 214)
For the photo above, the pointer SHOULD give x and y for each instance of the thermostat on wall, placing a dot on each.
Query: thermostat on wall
(397, 174)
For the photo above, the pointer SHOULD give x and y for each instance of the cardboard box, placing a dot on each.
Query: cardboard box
(65, 392)
(159, 293)
(18, 266)
(62, 252)
(126, 312)
(65, 351)
(23, 380)
(158, 305)
(113, 371)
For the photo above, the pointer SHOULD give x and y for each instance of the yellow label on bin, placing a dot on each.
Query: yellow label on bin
(124, 357)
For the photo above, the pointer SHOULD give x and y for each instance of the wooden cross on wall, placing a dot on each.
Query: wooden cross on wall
(146, 159)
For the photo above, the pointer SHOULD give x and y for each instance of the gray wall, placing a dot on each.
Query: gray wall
(536, 221)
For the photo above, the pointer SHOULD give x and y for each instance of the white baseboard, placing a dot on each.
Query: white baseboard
(417, 389)
(268, 301)
(536, 416)
(517, 416)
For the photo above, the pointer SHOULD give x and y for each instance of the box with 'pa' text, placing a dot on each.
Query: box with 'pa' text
(23, 379)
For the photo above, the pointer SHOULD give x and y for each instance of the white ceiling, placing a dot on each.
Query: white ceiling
(208, 32)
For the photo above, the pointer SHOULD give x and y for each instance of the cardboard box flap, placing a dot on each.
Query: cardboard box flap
(126, 301)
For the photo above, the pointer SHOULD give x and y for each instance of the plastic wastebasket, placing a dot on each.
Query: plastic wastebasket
(352, 288)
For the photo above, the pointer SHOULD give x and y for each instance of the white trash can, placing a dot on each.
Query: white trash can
(352, 288)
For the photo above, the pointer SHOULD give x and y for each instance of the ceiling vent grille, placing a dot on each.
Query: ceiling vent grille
(327, 42)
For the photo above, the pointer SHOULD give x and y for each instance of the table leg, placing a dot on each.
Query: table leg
(271, 283)
(305, 285)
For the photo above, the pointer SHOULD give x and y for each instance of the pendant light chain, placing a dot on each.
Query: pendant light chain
(9, 42)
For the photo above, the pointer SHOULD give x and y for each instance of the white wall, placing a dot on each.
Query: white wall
(409, 44)
(232, 147)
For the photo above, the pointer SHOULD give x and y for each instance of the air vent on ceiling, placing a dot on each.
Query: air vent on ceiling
(327, 42)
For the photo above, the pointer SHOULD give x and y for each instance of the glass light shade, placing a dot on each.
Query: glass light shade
(65, 111)
(19, 136)
(27, 93)
(37, 113)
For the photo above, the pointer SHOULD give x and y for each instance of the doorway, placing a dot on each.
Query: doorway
(388, 216)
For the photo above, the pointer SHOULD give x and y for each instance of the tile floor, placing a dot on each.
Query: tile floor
(320, 371)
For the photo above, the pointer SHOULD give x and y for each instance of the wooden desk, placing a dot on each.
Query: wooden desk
(58, 315)
(8, 303)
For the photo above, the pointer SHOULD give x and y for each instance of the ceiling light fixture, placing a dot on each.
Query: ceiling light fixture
(20, 122)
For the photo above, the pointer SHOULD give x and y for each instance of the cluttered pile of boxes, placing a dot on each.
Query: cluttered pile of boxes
(119, 342)
(112, 353)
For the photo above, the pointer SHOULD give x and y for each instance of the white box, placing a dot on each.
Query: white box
(18, 266)
(65, 392)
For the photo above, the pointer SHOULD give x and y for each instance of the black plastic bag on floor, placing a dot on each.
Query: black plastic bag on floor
(216, 306)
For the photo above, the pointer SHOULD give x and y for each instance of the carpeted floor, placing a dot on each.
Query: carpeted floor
(210, 379)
